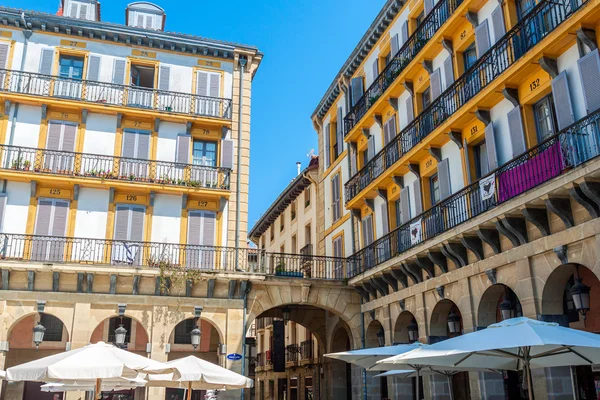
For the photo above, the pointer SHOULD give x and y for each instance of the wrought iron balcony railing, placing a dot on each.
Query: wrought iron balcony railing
(409, 50)
(112, 94)
(55, 249)
(260, 360)
(536, 25)
(292, 353)
(111, 167)
(569, 148)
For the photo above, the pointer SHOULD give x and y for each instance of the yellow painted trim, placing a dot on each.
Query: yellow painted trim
(3, 124)
(72, 219)
(557, 36)
(110, 221)
(336, 163)
(219, 238)
(333, 239)
(11, 54)
(58, 51)
(183, 225)
(143, 53)
(73, 43)
(31, 214)
(148, 224)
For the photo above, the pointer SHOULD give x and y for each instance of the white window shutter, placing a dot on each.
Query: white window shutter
(562, 100)
(227, 153)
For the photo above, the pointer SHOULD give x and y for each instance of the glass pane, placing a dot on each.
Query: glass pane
(435, 189)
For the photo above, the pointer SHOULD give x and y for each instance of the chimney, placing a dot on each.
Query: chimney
(298, 164)
(60, 8)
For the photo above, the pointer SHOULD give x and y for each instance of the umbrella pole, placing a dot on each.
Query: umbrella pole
(97, 392)
(418, 385)
(450, 386)
(529, 380)
(189, 391)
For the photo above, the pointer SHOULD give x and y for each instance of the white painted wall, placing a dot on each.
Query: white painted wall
(166, 219)
(568, 61)
(27, 128)
(408, 180)
(92, 213)
(100, 131)
(167, 140)
(484, 13)
(17, 207)
(498, 114)
(376, 131)
(378, 217)
(181, 76)
(451, 151)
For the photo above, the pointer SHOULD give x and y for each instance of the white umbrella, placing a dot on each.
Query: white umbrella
(514, 344)
(2, 375)
(369, 358)
(195, 373)
(94, 362)
(84, 386)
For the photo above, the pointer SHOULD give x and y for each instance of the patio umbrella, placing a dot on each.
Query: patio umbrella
(94, 363)
(195, 373)
(514, 344)
(369, 358)
(2, 375)
(85, 386)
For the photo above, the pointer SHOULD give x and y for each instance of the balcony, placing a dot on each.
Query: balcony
(536, 25)
(292, 352)
(568, 149)
(69, 250)
(415, 43)
(260, 360)
(104, 93)
(103, 167)
(307, 350)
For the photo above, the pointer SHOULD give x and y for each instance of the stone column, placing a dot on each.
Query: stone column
(159, 337)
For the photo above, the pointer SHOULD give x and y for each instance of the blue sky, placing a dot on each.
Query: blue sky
(305, 43)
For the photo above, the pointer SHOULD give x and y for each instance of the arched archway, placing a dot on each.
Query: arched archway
(404, 321)
(443, 312)
(136, 339)
(374, 337)
(340, 371)
(492, 301)
(22, 349)
(559, 306)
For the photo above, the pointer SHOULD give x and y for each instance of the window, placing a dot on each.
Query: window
(204, 153)
(142, 76)
(70, 67)
(336, 203)
(338, 252)
(434, 187)
(398, 212)
(470, 56)
(420, 18)
(282, 222)
(307, 197)
(272, 231)
(81, 10)
(426, 98)
(524, 6)
(294, 244)
(293, 210)
(282, 249)
(182, 331)
(388, 58)
(480, 160)
(545, 118)
(307, 234)
(333, 142)
(54, 328)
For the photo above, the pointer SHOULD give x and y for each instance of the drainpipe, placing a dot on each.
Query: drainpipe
(362, 339)
(248, 287)
(242, 62)
(27, 33)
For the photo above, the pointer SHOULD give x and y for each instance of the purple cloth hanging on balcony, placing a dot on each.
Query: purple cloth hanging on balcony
(537, 169)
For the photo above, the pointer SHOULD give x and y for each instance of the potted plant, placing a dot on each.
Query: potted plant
(26, 165)
(16, 164)
(279, 268)
(131, 177)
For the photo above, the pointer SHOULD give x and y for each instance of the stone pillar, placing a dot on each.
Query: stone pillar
(159, 336)
(81, 332)
(357, 383)
(373, 386)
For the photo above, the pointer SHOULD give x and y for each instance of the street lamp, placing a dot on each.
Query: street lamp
(413, 331)
(286, 315)
(120, 334)
(453, 322)
(38, 334)
(381, 338)
(581, 296)
(195, 334)
(507, 310)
